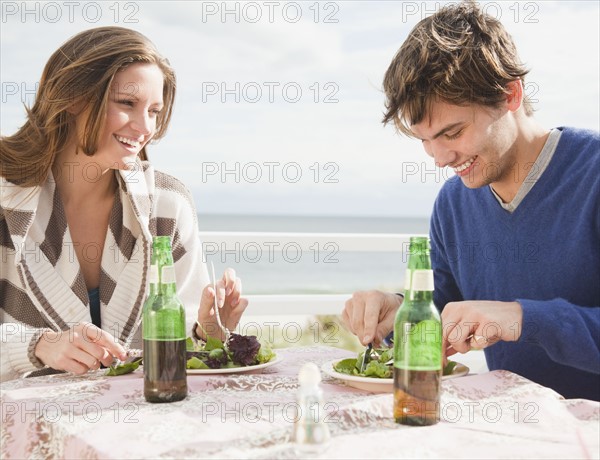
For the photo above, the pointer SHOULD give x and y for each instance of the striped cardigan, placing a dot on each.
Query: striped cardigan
(41, 285)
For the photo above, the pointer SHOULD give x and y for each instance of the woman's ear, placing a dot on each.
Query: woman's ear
(76, 107)
(514, 97)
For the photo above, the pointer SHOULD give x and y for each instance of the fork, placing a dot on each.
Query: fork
(365, 361)
(217, 314)
(131, 352)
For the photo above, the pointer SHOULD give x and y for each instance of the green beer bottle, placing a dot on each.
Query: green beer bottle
(163, 330)
(417, 343)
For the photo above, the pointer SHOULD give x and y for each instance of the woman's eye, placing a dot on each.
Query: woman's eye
(126, 102)
(155, 111)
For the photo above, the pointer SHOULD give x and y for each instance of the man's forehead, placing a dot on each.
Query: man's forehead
(441, 118)
(440, 113)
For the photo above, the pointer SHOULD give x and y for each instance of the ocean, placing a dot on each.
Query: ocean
(322, 271)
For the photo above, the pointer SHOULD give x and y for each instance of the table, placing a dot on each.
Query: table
(492, 415)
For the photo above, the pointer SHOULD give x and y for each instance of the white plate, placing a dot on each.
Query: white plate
(376, 385)
(236, 370)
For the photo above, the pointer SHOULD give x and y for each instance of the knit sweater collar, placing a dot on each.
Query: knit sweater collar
(46, 262)
(21, 205)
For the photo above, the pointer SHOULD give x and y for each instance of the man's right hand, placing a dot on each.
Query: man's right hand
(370, 315)
(79, 349)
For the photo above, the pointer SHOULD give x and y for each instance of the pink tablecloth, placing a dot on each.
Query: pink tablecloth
(492, 415)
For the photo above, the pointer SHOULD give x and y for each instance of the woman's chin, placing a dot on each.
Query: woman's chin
(128, 163)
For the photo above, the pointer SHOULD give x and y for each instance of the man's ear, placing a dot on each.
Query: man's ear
(514, 98)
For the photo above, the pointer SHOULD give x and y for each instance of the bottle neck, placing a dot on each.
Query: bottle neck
(163, 289)
(419, 296)
(419, 284)
(162, 280)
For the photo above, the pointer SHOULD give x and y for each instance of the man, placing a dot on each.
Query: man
(515, 236)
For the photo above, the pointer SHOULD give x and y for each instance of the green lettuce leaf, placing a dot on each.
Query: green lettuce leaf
(195, 363)
(190, 345)
(449, 368)
(377, 369)
(265, 353)
(125, 368)
(346, 366)
(212, 343)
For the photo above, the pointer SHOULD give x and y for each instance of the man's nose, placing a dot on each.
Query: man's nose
(442, 155)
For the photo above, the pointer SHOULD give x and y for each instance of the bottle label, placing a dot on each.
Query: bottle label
(153, 274)
(168, 274)
(422, 280)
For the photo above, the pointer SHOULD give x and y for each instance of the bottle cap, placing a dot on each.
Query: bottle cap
(309, 375)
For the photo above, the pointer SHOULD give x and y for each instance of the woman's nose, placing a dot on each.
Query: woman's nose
(143, 123)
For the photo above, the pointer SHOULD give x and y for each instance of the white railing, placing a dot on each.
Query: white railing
(371, 242)
(298, 304)
(278, 305)
(310, 304)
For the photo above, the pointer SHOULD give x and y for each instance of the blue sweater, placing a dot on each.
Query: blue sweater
(545, 255)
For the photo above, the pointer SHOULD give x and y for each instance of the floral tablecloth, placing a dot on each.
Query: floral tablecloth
(492, 415)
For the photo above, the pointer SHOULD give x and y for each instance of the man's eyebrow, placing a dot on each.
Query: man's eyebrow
(445, 129)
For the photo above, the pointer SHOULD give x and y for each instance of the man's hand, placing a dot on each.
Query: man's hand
(230, 303)
(370, 315)
(79, 349)
(479, 324)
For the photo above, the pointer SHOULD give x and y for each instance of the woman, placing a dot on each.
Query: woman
(79, 207)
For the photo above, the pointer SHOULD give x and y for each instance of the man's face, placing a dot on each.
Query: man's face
(476, 142)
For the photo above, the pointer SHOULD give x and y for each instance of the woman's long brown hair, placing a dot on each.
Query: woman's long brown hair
(79, 74)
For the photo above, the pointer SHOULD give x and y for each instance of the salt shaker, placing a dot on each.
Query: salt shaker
(310, 429)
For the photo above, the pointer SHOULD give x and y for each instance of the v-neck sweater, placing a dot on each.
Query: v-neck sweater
(544, 255)
(41, 283)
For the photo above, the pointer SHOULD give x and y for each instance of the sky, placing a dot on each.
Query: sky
(279, 103)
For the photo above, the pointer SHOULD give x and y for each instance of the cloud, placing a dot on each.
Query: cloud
(338, 67)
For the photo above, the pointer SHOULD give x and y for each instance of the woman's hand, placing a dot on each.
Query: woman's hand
(230, 303)
(79, 349)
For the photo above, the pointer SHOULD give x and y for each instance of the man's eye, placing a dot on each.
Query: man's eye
(454, 136)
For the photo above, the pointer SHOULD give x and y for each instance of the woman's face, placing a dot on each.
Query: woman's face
(134, 102)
